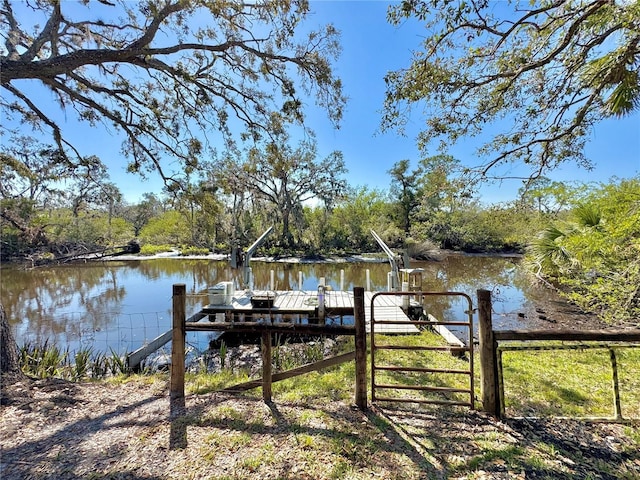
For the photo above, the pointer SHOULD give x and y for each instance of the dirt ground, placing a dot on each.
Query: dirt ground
(58, 429)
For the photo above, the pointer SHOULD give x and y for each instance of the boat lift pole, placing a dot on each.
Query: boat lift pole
(246, 257)
(393, 260)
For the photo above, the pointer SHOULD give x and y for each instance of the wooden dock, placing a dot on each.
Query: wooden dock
(303, 306)
(290, 308)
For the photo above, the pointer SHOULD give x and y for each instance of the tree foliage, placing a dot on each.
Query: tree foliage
(36, 176)
(350, 223)
(404, 189)
(170, 228)
(164, 74)
(198, 202)
(417, 195)
(139, 214)
(549, 197)
(550, 70)
(286, 177)
(595, 255)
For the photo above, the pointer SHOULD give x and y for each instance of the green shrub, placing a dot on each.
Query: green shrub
(154, 249)
(190, 250)
(594, 257)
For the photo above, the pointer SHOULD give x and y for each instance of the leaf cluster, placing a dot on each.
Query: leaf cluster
(166, 75)
(548, 71)
(594, 257)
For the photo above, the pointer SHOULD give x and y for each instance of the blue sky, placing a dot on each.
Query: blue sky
(371, 48)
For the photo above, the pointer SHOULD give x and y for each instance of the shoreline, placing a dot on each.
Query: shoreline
(367, 257)
(358, 258)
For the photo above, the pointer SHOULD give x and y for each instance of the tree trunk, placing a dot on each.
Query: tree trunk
(287, 238)
(9, 361)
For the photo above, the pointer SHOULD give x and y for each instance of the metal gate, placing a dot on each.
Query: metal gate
(395, 315)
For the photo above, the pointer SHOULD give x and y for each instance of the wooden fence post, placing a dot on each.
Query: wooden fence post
(361, 347)
(266, 366)
(488, 356)
(178, 341)
(616, 384)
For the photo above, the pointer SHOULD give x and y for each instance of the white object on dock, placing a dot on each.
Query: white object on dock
(221, 293)
(405, 298)
(321, 301)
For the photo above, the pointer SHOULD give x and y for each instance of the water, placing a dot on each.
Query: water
(119, 306)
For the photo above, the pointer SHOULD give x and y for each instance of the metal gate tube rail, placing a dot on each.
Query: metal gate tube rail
(420, 323)
(422, 388)
(450, 348)
(434, 348)
(417, 400)
(422, 370)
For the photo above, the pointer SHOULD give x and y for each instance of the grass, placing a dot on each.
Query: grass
(546, 383)
(46, 360)
(573, 383)
(422, 359)
(148, 249)
(190, 250)
(312, 430)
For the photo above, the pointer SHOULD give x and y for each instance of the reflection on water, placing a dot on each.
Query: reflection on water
(121, 305)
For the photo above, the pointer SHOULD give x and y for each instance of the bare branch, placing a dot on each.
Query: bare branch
(156, 77)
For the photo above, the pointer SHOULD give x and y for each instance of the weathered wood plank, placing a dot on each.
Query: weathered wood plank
(285, 327)
(340, 299)
(387, 307)
(135, 358)
(294, 372)
(445, 333)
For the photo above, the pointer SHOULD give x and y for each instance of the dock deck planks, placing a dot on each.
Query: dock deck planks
(300, 302)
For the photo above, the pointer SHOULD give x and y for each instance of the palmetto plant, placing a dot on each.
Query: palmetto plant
(548, 252)
(552, 251)
(594, 257)
(586, 215)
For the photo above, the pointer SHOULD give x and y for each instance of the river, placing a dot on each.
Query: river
(120, 305)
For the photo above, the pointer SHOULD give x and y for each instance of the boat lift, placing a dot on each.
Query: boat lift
(242, 260)
(394, 260)
(402, 278)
